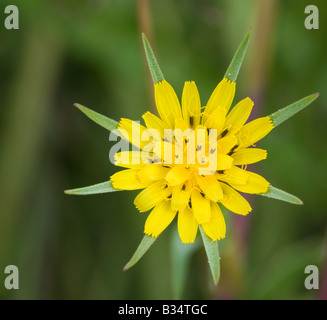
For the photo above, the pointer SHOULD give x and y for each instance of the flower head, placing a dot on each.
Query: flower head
(193, 185)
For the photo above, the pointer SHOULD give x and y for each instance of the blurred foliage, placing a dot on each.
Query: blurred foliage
(90, 52)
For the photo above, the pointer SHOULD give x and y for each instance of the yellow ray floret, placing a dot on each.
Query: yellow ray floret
(191, 104)
(255, 184)
(177, 175)
(222, 97)
(254, 131)
(200, 206)
(216, 227)
(248, 156)
(211, 187)
(128, 180)
(167, 103)
(187, 225)
(152, 195)
(180, 197)
(159, 219)
(234, 201)
(152, 172)
(238, 116)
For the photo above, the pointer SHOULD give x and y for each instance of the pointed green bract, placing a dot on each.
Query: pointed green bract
(103, 187)
(181, 255)
(143, 247)
(236, 63)
(211, 248)
(98, 118)
(281, 115)
(281, 195)
(152, 61)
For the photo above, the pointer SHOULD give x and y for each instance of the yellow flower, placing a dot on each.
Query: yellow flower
(183, 187)
(192, 159)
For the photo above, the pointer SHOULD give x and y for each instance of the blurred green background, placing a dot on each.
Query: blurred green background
(71, 247)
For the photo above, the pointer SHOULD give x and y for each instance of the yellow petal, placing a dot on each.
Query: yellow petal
(181, 124)
(132, 132)
(254, 131)
(224, 145)
(248, 156)
(222, 97)
(167, 103)
(180, 197)
(151, 196)
(177, 175)
(216, 227)
(235, 175)
(200, 206)
(255, 184)
(153, 122)
(127, 180)
(215, 119)
(224, 161)
(129, 159)
(152, 173)
(234, 202)
(159, 219)
(238, 115)
(187, 225)
(210, 186)
(191, 104)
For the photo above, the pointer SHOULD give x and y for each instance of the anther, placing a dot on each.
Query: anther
(232, 150)
(224, 133)
(191, 121)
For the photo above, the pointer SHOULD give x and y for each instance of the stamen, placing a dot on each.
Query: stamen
(221, 171)
(183, 187)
